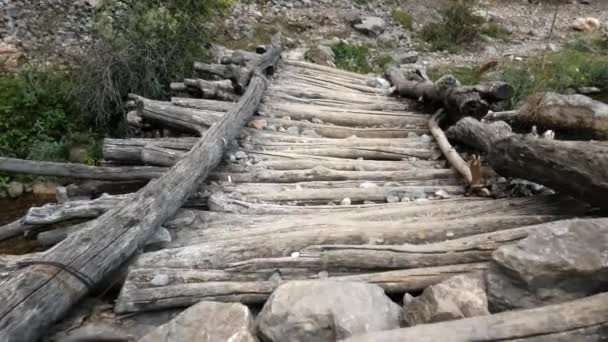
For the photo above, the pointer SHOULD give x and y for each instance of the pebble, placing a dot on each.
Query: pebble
(240, 155)
(442, 194)
(345, 201)
(392, 198)
(368, 185)
(160, 280)
(293, 130)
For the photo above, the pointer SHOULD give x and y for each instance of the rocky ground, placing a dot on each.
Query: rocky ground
(313, 22)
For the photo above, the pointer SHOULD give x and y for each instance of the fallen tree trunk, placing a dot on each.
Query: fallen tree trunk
(458, 101)
(38, 295)
(575, 168)
(165, 113)
(569, 115)
(221, 90)
(534, 324)
(216, 106)
(13, 229)
(191, 286)
(79, 171)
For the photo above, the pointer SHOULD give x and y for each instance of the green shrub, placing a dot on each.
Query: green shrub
(140, 46)
(402, 18)
(34, 115)
(352, 57)
(559, 71)
(459, 25)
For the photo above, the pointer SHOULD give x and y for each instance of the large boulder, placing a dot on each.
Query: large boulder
(371, 26)
(455, 298)
(207, 322)
(318, 311)
(563, 261)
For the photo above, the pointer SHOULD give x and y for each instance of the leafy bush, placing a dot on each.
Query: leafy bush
(140, 46)
(352, 57)
(402, 18)
(559, 71)
(34, 115)
(360, 58)
(459, 25)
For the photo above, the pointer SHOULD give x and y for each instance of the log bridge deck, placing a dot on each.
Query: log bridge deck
(331, 178)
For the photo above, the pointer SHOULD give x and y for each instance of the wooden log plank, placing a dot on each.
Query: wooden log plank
(79, 171)
(340, 103)
(340, 132)
(36, 296)
(579, 169)
(370, 152)
(191, 286)
(212, 105)
(322, 68)
(538, 323)
(320, 173)
(215, 249)
(13, 229)
(221, 90)
(349, 118)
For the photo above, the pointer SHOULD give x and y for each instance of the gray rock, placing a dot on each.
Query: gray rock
(207, 322)
(455, 298)
(371, 26)
(392, 198)
(159, 240)
(564, 260)
(15, 189)
(351, 17)
(322, 55)
(408, 57)
(319, 311)
(160, 280)
(240, 155)
(346, 201)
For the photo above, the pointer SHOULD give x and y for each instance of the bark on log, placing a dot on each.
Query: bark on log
(576, 116)
(221, 90)
(458, 101)
(539, 323)
(448, 151)
(36, 296)
(192, 286)
(575, 168)
(212, 105)
(186, 119)
(79, 171)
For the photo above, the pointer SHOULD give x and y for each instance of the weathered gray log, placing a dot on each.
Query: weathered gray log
(155, 155)
(221, 90)
(576, 116)
(165, 113)
(79, 171)
(575, 168)
(344, 117)
(188, 287)
(458, 101)
(216, 106)
(36, 296)
(533, 324)
(13, 229)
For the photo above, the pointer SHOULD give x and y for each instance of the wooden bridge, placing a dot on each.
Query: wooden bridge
(331, 178)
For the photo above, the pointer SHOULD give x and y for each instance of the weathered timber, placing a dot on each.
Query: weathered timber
(533, 324)
(213, 105)
(36, 296)
(494, 91)
(79, 171)
(575, 168)
(340, 132)
(165, 113)
(458, 101)
(321, 173)
(155, 155)
(576, 116)
(448, 151)
(191, 286)
(13, 229)
(344, 117)
(215, 249)
(221, 90)
(356, 195)
(322, 68)
(93, 188)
